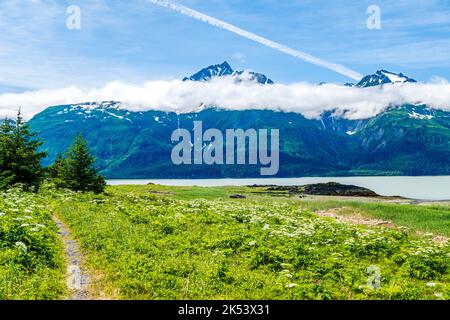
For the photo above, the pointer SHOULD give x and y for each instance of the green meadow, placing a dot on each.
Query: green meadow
(155, 242)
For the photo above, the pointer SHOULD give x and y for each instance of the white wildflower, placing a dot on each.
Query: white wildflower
(22, 246)
(291, 285)
(266, 227)
(431, 284)
(252, 243)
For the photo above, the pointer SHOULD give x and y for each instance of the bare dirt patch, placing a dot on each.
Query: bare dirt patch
(440, 239)
(161, 192)
(354, 219)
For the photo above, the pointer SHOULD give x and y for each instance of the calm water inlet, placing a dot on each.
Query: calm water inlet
(423, 188)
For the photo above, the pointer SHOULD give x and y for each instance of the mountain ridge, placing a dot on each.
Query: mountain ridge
(224, 69)
(402, 140)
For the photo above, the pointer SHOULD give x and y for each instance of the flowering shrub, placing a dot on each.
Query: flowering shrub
(31, 264)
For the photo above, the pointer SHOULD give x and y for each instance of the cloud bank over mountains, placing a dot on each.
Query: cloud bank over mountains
(224, 92)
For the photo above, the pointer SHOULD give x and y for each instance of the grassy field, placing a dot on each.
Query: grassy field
(155, 242)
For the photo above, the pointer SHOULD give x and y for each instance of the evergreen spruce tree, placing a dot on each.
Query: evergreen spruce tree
(77, 170)
(20, 161)
(57, 171)
(6, 176)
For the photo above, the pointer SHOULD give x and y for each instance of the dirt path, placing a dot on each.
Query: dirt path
(77, 278)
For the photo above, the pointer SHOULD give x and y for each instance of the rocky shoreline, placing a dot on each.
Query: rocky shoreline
(323, 189)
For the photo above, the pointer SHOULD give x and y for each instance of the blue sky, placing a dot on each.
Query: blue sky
(135, 40)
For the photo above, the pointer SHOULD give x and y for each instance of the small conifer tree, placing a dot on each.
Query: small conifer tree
(77, 171)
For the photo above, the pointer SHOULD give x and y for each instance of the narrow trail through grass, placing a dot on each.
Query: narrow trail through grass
(78, 279)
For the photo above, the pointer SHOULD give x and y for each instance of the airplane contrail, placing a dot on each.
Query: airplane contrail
(254, 37)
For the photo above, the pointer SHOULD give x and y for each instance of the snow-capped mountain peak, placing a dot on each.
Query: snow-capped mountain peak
(396, 77)
(224, 69)
(382, 77)
(218, 70)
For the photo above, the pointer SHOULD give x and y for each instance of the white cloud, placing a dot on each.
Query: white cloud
(239, 56)
(178, 96)
(438, 80)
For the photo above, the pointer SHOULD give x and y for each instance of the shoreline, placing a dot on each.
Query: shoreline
(416, 188)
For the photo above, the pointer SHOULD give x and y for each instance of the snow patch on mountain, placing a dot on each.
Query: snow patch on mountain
(415, 115)
(104, 109)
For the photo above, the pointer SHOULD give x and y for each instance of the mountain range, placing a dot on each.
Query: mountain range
(402, 140)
